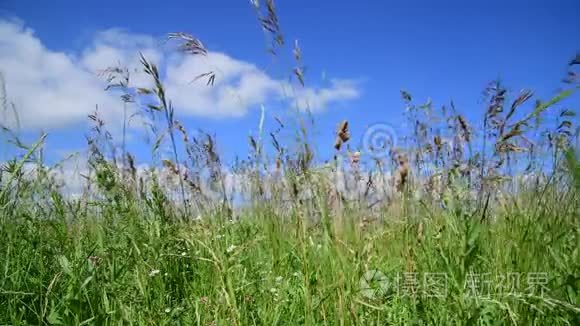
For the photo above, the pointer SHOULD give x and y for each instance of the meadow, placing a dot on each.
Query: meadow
(461, 223)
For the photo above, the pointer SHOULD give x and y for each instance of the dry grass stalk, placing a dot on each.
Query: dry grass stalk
(189, 43)
(406, 96)
(210, 78)
(192, 45)
(299, 73)
(269, 23)
(522, 98)
(465, 130)
(515, 131)
(181, 130)
(297, 51)
(507, 147)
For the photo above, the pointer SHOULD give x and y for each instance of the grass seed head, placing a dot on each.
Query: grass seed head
(342, 136)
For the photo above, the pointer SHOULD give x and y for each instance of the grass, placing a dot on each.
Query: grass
(123, 262)
(461, 224)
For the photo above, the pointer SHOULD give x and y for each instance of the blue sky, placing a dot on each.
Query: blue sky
(372, 49)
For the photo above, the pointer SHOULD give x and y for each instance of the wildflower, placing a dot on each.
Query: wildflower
(230, 249)
(273, 290)
(167, 310)
(183, 254)
(154, 272)
(279, 279)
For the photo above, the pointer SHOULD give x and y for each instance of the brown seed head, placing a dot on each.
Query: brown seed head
(464, 128)
(438, 143)
(169, 165)
(342, 135)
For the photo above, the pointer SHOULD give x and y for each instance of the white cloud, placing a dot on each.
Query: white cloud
(115, 47)
(238, 86)
(53, 89)
(47, 87)
(318, 100)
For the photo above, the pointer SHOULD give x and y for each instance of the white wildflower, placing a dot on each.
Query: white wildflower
(154, 272)
(231, 248)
